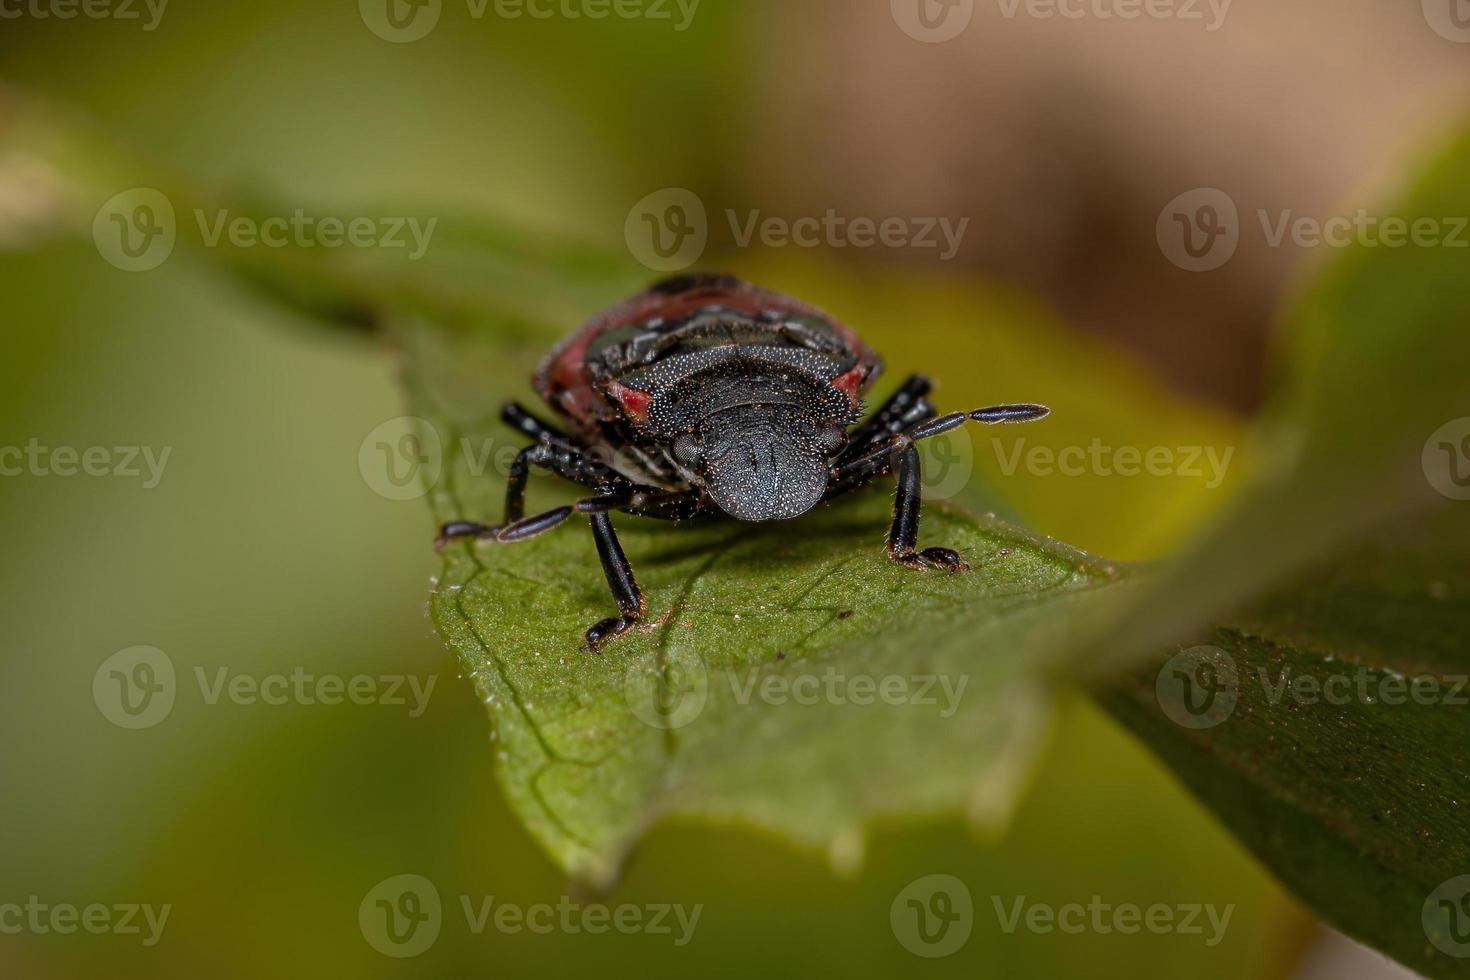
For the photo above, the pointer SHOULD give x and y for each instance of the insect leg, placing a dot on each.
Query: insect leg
(520, 418)
(899, 453)
(568, 461)
(904, 408)
(903, 533)
(529, 527)
(901, 456)
(515, 484)
(515, 503)
(620, 579)
(923, 428)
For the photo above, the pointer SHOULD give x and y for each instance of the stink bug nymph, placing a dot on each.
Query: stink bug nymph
(707, 395)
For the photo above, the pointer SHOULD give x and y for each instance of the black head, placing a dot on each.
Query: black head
(762, 461)
(757, 427)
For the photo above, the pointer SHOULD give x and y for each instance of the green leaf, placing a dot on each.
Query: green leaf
(1357, 804)
(1337, 746)
(789, 675)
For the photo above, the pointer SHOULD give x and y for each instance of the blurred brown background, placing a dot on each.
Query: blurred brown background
(1064, 136)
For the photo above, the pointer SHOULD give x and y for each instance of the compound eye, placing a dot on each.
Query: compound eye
(688, 449)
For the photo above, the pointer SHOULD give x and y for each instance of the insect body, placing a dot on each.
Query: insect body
(706, 394)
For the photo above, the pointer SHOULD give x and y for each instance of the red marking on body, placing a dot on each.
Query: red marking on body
(635, 402)
(850, 382)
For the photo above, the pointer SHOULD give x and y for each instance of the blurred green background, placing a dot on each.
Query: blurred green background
(264, 550)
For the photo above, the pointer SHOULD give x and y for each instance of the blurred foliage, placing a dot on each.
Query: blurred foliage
(1342, 755)
(1357, 800)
